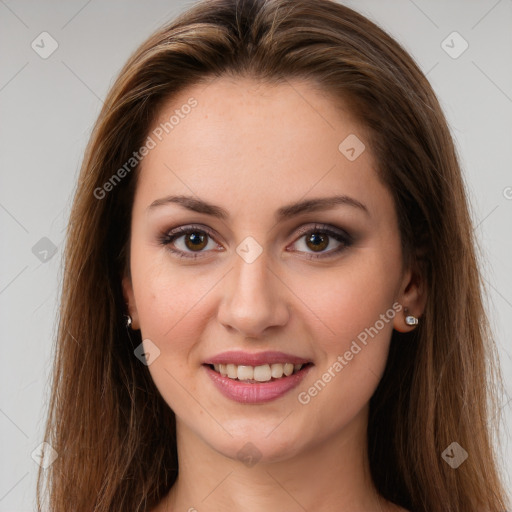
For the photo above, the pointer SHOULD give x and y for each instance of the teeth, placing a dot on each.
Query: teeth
(288, 369)
(245, 372)
(262, 373)
(231, 370)
(276, 371)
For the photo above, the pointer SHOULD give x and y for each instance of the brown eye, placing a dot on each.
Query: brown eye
(192, 241)
(318, 242)
(196, 240)
(319, 238)
(187, 241)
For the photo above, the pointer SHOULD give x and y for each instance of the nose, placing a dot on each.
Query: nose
(255, 299)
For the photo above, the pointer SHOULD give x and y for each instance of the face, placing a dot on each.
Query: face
(236, 268)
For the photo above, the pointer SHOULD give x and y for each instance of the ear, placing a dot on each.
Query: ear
(413, 298)
(129, 298)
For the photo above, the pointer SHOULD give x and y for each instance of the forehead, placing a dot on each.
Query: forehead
(244, 106)
(255, 141)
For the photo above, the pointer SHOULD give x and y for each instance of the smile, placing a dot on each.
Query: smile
(254, 374)
(248, 390)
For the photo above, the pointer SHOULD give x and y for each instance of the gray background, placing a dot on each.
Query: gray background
(48, 107)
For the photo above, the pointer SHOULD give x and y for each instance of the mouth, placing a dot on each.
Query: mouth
(256, 384)
(256, 377)
(258, 374)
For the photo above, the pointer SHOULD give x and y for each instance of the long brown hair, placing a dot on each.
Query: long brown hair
(112, 430)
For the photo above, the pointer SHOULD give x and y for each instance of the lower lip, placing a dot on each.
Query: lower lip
(256, 393)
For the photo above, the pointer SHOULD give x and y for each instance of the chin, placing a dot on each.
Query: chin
(256, 446)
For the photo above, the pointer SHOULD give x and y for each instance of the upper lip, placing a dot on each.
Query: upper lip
(239, 357)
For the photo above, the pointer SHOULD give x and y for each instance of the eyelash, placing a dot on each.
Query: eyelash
(167, 238)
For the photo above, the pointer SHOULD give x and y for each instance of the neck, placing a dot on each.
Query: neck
(332, 474)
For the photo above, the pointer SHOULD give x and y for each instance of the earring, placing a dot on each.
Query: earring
(411, 320)
(128, 320)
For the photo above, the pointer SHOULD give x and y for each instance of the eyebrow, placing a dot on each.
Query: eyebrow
(283, 213)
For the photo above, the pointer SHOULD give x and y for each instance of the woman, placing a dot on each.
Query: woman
(271, 296)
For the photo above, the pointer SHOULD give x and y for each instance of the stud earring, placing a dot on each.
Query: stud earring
(128, 321)
(411, 320)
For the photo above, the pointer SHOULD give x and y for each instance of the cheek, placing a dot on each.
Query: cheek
(352, 338)
(173, 304)
(170, 307)
(169, 304)
(355, 302)
(350, 298)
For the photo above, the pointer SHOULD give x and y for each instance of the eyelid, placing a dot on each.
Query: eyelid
(324, 228)
(168, 237)
(340, 235)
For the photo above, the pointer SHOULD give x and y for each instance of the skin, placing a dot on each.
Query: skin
(252, 148)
